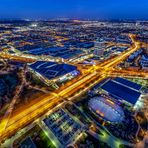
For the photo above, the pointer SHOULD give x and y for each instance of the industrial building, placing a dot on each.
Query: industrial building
(122, 89)
(53, 71)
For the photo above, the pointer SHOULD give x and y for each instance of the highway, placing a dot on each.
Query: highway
(131, 73)
(4, 55)
(28, 115)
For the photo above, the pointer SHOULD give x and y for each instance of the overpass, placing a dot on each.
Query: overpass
(37, 108)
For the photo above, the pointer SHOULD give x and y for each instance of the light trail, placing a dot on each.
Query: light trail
(29, 114)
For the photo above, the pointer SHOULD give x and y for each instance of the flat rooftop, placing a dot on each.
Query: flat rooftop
(122, 90)
(128, 83)
(52, 70)
(28, 143)
(55, 52)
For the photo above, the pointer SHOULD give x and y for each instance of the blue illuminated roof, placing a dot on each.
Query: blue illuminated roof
(55, 52)
(52, 70)
(111, 112)
(128, 83)
(121, 91)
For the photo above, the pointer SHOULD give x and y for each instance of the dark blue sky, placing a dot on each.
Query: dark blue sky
(103, 9)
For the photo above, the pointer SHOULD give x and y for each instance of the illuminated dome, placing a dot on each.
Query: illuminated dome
(106, 109)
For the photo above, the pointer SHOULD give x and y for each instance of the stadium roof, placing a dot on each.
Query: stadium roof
(107, 109)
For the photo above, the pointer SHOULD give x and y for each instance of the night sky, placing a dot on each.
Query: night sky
(87, 9)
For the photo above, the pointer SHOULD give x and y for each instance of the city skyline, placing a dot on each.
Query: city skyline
(73, 74)
(78, 9)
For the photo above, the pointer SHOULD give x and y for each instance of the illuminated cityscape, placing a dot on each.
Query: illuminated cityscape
(73, 82)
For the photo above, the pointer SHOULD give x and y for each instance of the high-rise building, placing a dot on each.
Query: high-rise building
(99, 48)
